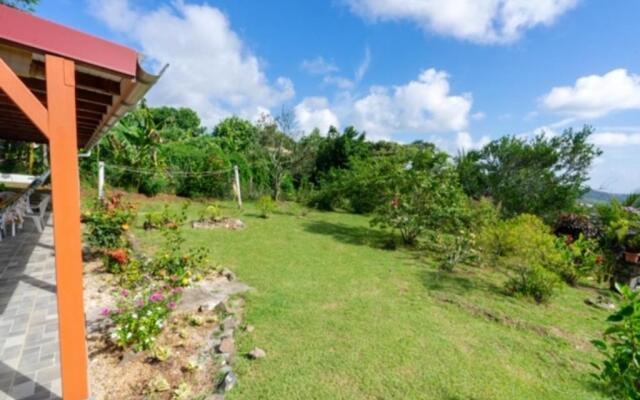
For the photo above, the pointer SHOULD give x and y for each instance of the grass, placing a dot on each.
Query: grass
(342, 318)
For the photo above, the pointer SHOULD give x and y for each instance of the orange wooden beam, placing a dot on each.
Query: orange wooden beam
(65, 187)
(23, 98)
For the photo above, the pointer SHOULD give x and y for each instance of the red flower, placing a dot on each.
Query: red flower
(599, 260)
(119, 255)
(569, 240)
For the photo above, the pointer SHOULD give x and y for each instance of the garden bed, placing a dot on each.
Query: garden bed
(190, 342)
(221, 223)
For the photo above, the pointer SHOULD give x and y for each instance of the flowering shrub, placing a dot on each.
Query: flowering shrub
(139, 319)
(107, 223)
(175, 264)
(116, 260)
(457, 249)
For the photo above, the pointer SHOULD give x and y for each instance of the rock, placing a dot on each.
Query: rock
(601, 302)
(229, 323)
(227, 273)
(257, 353)
(227, 345)
(249, 328)
(228, 382)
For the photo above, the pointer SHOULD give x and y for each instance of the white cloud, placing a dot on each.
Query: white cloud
(364, 65)
(211, 70)
(615, 139)
(596, 95)
(481, 21)
(424, 105)
(339, 81)
(465, 142)
(479, 116)
(319, 66)
(314, 112)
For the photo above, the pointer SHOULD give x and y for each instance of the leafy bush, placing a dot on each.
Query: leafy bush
(139, 319)
(166, 218)
(211, 213)
(525, 244)
(620, 345)
(154, 185)
(266, 205)
(534, 281)
(107, 223)
(585, 256)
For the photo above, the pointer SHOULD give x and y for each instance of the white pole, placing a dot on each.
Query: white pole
(100, 180)
(237, 181)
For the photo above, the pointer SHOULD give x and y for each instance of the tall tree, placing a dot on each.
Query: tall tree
(543, 176)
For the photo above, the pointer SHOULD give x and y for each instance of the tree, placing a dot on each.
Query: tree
(543, 176)
(26, 5)
(421, 193)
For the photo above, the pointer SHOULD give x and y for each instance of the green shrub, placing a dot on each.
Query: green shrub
(266, 205)
(140, 318)
(107, 224)
(525, 244)
(153, 185)
(633, 243)
(534, 281)
(620, 346)
(211, 213)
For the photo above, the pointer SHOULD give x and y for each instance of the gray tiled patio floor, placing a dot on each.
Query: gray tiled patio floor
(29, 359)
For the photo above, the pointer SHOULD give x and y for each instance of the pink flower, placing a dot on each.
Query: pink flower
(177, 290)
(105, 312)
(124, 293)
(140, 303)
(157, 296)
(172, 305)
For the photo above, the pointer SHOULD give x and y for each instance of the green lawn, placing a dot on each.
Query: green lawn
(341, 318)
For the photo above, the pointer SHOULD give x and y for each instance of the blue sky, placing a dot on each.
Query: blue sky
(456, 72)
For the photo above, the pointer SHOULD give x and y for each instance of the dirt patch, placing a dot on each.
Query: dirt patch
(233, 224)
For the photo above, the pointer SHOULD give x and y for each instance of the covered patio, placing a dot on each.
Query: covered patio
(64, 88)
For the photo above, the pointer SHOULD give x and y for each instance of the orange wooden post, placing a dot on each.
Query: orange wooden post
(58, 124)
(65, 185)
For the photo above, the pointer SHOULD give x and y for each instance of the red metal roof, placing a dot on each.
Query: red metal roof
(38, 34)
(109, 79)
